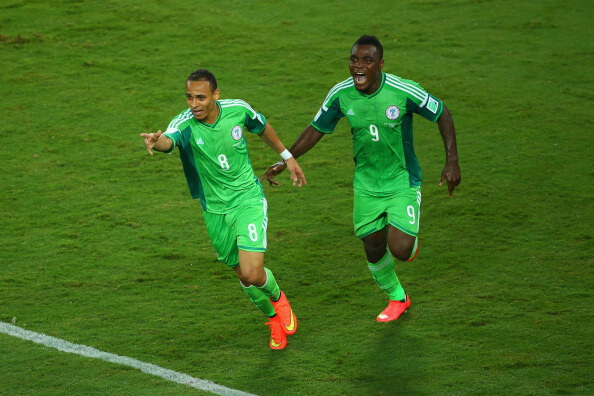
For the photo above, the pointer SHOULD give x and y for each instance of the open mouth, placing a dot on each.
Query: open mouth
(360, 78)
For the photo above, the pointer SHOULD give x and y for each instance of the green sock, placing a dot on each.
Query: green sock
(260, 299)
(385, 276)
(270, 287)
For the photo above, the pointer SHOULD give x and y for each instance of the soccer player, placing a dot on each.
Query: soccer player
(214, 154)
(387, 181)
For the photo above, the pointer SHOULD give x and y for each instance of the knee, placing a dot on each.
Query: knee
(374, 252)
(401, 252)
(400, 244)
(252, 276)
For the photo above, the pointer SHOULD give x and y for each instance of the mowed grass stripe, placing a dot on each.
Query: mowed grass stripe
(148, 368)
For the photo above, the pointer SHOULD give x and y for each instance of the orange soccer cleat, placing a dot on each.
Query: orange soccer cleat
(287, 316)
(278, 338)
(393, 311)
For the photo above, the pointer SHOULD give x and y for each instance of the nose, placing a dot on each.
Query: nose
(193, 102)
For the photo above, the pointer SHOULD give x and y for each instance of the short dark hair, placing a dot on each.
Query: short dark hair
(371, 40)
(204, 75)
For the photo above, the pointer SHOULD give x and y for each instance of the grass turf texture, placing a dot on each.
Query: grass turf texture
(102, 245)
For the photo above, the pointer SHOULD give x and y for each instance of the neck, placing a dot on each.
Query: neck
(376, 84)
(212, 117)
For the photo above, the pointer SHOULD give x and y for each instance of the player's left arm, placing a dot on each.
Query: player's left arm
(269, 136)
(451, 170)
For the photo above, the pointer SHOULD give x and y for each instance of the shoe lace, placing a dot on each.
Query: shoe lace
(395, 306)
(281, 304)
(276, 331)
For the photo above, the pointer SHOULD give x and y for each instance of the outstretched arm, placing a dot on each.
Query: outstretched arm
(308, 138)
(451, 169)
(271, 138)
(156, 141)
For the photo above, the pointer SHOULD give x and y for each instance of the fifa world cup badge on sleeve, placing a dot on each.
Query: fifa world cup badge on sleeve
(432, 105)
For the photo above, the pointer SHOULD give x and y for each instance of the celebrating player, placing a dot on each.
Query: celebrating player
(214, 154)
(387, 180)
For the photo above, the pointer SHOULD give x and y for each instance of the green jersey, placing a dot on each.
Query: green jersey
(381, 125)
(215, 157)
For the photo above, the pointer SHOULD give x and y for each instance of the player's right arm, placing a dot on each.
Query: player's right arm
(305, 142)
(165, 141)
(324, 122)
(308, 138)
(156, 141)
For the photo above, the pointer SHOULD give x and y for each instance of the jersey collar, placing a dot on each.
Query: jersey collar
(377, 91)
(218, 116)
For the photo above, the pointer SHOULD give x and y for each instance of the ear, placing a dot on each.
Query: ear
(215, 94)
(381, 64)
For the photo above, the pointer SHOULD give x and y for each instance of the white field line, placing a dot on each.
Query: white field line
(148, 368)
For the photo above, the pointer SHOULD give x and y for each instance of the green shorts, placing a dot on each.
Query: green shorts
(244, 227)
(402, 210)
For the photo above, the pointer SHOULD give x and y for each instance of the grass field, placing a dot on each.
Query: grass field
(101, 244)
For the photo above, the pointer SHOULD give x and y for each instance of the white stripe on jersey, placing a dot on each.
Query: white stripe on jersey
(265, 221)
(409, 88)
(182, 117)
(338, 87)
(348, 81)
(239, 102)
(228, 101)
(423, 103)
(254, 114)
(397, 79)
(423, 99)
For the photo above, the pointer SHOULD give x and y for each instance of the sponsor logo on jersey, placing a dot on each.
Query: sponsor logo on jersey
(432, 105)
(237, 132)
(350, 112)
(392, 112)
(199, 141)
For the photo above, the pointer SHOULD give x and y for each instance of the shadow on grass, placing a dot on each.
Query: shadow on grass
(394, 361)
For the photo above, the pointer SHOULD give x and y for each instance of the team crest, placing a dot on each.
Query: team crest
(392, 112)
(236, 132)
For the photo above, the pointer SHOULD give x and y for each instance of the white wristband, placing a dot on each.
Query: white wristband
(286, 155)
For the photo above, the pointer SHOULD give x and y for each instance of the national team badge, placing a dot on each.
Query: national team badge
(236, 132)
(392, 112)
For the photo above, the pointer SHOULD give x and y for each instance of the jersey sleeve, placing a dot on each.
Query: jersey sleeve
(430, 109)
(328, 116)
(254, 122)
(423, 103)
(173, 132)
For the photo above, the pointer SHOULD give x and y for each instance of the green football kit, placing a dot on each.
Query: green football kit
(387, 176)
(387, 179)
(218, 171)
